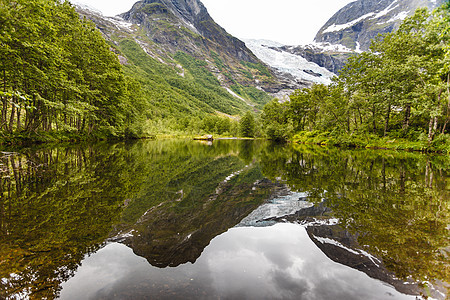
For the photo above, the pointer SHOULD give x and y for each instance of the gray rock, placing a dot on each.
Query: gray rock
(358, 22)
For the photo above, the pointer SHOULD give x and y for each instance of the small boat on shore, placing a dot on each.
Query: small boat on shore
(204, 138)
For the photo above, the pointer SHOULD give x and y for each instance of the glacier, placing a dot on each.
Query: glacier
(297, 66)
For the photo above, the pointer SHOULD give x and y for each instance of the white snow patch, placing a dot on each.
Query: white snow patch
(319, 222)
(121, 23)
(127, 234)
(239, 97)
(358, 47)
(288, 63)
(340, 27)
(386, 10)
(401, 16)
(327, 47)
(278, 207)
(323, 240)
(375, 260)
(335, 243)
(85, 7)
(191, 26)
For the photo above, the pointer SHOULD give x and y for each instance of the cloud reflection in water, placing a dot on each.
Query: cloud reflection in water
(277, 262)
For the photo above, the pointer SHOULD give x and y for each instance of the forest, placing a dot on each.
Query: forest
(397, 91)
(61, 80)
(59, 75)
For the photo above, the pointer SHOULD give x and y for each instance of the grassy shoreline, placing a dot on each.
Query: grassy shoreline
(440, 144)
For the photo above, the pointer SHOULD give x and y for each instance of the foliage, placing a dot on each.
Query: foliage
(60, 80)
(59, 74)
(247, 125)
(398, 90)
(395, 202)
(276, 122)
(59, 204)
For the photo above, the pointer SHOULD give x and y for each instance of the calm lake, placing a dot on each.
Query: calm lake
(179, 219)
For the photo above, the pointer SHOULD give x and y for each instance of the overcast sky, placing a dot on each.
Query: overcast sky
(289, 22)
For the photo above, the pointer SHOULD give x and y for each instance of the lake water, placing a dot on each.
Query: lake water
(178, 219)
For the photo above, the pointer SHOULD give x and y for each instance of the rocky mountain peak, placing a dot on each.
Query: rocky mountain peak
(188, 11)
(360, 21)
(163, 20)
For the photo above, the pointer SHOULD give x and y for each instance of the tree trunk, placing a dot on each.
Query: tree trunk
(431, 126)
(448, 105)
(4, 102)
(11, 118)
(388, 115)
(407, 117)
(18, 120)
(373, 120)
(56, 120)
(360, 116)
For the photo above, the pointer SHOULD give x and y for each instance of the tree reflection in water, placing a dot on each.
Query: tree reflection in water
(168, 199)
(396, 203)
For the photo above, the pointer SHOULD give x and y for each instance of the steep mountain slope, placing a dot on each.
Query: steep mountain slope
(360, 21)
(186, 25)
(187, 64)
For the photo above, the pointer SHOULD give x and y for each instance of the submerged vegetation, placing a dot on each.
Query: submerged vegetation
(395, 96)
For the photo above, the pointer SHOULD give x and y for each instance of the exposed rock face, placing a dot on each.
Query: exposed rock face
(185, 25)
(351, 29)
(342, 246)
(358, 22)
(163, 28)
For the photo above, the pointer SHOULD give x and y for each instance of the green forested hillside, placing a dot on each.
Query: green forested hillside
(397, 95)
(60, 79)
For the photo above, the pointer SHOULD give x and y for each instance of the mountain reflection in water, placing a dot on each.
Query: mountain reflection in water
(277, 262)
(235, 219)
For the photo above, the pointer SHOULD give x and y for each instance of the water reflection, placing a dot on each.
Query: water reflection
(160, 213)
(278, 262)
(396, 203)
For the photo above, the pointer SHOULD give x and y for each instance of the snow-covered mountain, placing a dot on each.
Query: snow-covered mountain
(349, 31)
(279, 58)
(357, 23)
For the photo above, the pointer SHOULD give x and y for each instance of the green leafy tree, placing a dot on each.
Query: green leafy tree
(247, 125)
(276, 120)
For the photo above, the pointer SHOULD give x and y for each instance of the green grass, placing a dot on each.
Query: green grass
(440, 143)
